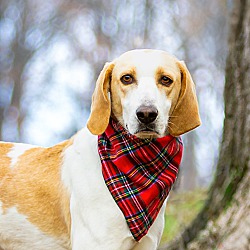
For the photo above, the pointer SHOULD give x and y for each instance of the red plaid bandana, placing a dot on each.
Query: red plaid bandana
(139, 173)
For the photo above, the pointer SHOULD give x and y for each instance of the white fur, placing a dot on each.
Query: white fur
(17, 150)
(25, 237)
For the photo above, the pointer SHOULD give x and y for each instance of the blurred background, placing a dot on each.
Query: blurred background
(51, 52)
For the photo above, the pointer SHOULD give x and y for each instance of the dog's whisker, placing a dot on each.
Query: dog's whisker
(171, 123)
(173, 116)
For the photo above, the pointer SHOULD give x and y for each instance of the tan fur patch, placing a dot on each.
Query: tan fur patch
(34, 187)
(126, 70)
(119, 90)
(4, 159)
(162, 72)
(172, 91)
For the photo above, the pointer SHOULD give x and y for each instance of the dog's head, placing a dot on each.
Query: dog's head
(151, 94)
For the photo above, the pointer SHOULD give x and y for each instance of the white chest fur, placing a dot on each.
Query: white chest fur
(96, 220)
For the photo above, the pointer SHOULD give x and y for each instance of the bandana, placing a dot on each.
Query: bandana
(139, 173)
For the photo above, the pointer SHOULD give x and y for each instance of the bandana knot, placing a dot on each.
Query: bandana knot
(139, 173)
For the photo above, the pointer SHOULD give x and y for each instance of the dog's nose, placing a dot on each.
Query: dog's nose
(146, 114)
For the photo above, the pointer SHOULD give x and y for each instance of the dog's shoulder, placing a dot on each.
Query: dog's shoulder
(16, 156)
(5, 160)
(30, 179)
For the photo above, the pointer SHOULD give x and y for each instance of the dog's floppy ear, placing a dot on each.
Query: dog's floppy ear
(185, 115)
(101, 106)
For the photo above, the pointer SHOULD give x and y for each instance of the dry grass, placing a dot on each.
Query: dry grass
(181, 210)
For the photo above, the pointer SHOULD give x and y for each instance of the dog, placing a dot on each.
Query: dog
(56, 198)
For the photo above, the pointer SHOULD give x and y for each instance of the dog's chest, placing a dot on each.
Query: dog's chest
(96, 220)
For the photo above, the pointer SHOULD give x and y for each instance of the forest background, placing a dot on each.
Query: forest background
(51, 53)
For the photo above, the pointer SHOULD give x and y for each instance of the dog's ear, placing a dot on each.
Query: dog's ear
(101, 106)
(185, 115)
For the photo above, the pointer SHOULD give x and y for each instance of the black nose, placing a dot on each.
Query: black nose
(146, 114)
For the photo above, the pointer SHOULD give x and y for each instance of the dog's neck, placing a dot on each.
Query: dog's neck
(139, 173)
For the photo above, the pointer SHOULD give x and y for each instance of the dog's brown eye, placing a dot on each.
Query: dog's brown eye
(127, 79)
(166, 81)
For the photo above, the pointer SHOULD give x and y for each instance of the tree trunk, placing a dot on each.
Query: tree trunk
(224, 222)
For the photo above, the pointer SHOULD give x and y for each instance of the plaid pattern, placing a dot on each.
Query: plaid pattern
(139, 173)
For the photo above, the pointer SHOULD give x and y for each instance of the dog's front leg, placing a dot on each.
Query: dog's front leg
(79, 234)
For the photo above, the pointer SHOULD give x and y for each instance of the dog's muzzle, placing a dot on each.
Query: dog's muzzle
(146, 116)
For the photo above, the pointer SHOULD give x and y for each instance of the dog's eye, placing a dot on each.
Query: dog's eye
(166, 81)
(127, 79)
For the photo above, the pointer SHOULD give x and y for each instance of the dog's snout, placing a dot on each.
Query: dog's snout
(146, 114)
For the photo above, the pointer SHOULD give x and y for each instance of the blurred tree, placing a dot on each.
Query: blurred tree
(21, 37)
(224, 221)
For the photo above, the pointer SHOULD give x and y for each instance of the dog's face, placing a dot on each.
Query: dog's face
(151, 94)
(145, 84)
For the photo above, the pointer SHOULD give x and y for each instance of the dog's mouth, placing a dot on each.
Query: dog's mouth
(147, 132)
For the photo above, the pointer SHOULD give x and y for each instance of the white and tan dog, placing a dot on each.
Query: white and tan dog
(55, 198)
